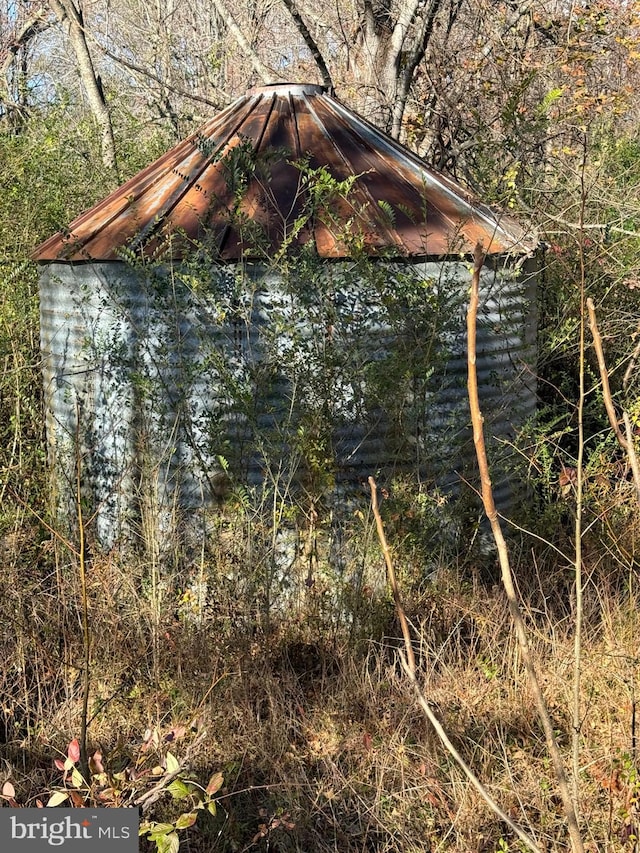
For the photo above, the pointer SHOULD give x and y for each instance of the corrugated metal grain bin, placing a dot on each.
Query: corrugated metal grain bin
(281, 298)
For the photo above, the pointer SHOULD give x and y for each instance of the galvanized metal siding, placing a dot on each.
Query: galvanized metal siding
(173, 377)
(88, 399)
(506, 368)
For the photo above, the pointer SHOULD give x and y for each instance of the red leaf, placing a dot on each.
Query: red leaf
(59, 764)
(73, 750)
(367, 740)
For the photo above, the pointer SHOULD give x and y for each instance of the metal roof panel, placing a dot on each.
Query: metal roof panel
(239, 186)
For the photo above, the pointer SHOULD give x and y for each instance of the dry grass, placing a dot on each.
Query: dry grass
(311, 721)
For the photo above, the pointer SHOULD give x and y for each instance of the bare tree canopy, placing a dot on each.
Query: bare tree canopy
(472, 85)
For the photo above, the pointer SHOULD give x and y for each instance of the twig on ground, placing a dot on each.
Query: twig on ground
(409, 665)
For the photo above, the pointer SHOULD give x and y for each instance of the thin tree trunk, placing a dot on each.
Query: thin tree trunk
(68, 12)
(389, 54)
(310, 42)
(508, 582)
(258, 65)
(28, 30)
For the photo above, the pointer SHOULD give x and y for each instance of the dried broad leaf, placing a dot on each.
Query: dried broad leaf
(173, 765)
(150, 740)
(77, 799)
(95, 763)
(215, 783)
(176, 733)
(57, 798)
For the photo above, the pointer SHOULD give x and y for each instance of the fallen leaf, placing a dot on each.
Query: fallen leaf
(176, 733)
(77, 799)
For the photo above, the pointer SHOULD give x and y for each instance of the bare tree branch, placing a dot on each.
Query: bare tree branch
(30, 28)
(625, 440)
(223, 98)
(258, 65)
(409, 665)
(508, 583)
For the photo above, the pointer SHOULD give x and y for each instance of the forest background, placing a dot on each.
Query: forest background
(308, 733)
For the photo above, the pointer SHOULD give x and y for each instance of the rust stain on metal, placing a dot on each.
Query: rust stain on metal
(241, 185)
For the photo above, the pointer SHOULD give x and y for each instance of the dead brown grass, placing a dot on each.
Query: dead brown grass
(312, 724)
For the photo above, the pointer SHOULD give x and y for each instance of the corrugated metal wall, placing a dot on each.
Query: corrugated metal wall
(178, 374)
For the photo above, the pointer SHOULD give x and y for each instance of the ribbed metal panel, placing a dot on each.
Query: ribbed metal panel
(85, 340)
(505, 364)
(161, 379)
(243, 167)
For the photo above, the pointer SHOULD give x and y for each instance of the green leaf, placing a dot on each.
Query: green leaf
(168, 843)
(158, 830)
(388, 211)
(211, 808)
(173, 765)
(549, 99)
(178, 789)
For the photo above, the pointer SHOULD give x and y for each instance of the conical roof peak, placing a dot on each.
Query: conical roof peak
(286, 165)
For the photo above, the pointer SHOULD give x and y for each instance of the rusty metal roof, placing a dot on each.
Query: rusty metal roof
(254, 179)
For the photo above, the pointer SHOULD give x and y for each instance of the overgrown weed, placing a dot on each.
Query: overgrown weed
(314, 730)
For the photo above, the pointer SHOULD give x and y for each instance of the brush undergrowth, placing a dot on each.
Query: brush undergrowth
(232, 731)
